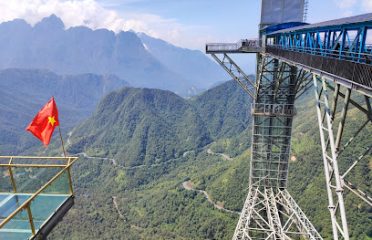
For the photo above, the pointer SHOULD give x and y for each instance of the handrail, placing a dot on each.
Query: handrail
(222, 46)
(35, 157)
(363, 57)
(15, 165)
(26, 204)
(242, 44)
(320, 50)
(40, 165)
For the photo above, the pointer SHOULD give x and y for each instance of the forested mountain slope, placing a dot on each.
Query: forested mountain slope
(164, 199)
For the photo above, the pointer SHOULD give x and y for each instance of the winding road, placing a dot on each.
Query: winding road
(114, 162)
(117, 208)
(188, 185)
(224, 156)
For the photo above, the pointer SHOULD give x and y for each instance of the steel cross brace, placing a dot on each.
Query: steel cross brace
(262, 219)
(332, 149)
(301, 219)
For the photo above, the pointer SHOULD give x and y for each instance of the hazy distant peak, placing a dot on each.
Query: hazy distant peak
(17, 21)
(130, 40)
(15, 26)
(51, 22)
(128, 35)
(145, 37)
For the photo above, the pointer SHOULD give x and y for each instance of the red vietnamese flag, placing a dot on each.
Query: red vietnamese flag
(43, 124)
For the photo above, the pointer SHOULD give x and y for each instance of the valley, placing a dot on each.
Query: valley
(205, 141)
(198, 195)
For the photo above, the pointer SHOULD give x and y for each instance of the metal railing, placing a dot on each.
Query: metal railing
(242, 45)
(222, 46)
(356, 75)
(10, 163)
(352, 56)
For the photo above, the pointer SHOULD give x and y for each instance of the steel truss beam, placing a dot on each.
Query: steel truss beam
(331, 122)
(236, 73)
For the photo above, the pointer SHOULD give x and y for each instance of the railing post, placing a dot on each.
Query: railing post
(32, 225)
(69, 177)
(11, 176)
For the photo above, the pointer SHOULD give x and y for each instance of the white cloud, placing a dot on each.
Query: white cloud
(347, 13)
(347, 7)
(73, 13)
(367, 5)
(345, 4)
(92, 14)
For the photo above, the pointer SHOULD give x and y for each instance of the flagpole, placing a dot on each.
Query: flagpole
(63, 145)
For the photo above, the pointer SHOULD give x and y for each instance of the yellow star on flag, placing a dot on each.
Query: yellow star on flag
(51, 120)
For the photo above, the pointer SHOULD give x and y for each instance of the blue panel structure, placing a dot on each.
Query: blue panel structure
(274, 28)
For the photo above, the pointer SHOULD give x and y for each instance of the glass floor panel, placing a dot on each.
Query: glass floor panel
(2, 197)
(42, 208)
(14, 235)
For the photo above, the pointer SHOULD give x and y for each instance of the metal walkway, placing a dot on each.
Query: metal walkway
(339, 48)
(243, 46)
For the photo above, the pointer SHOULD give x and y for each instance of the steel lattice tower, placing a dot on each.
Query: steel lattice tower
(288, 64)
(269, 211)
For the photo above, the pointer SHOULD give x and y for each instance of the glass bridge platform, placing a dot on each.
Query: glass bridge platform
(35, 193)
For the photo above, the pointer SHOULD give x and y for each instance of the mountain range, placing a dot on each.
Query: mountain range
(141, 60)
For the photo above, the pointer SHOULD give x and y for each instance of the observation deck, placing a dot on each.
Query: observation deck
(242, 46)
(35, 193)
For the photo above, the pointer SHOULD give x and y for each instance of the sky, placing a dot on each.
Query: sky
(185, 23)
